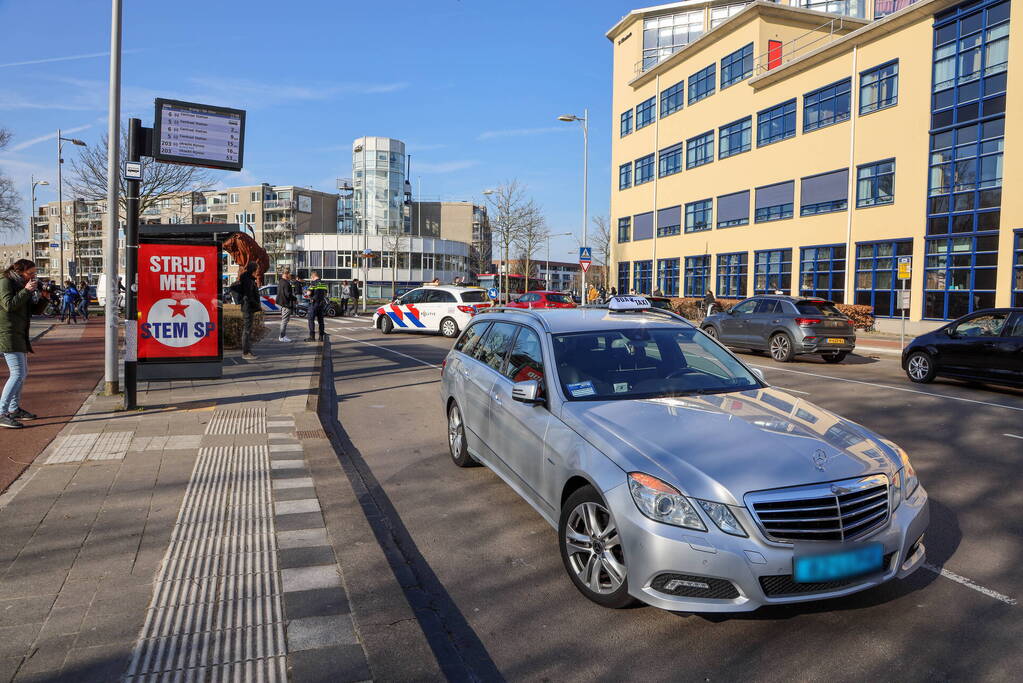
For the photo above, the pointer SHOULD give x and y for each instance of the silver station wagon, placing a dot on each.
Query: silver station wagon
(673, 473)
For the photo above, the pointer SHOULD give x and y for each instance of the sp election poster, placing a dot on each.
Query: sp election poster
(178, 301)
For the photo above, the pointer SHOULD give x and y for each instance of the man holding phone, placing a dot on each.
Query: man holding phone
(20, 297)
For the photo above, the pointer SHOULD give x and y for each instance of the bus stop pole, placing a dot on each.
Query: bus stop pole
(131, 263)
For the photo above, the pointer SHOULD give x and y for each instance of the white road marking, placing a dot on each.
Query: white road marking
(794, 391)
(969, 583)
(887, 386)
(1013, 436)
(384, 348)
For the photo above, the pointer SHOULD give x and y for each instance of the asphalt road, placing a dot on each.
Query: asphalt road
(497, 566)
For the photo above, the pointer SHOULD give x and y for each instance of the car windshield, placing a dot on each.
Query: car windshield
(474, 297)
(559, 298)
(641, 362)
(825, 308)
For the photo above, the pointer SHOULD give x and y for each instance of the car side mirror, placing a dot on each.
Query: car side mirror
(527, 391)
(759, 374)
(951, 332)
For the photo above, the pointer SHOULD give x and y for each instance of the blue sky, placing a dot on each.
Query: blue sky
(473, 87)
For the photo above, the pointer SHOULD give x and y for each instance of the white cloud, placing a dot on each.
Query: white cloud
(521, 132)
(49, 136)
(443, 166)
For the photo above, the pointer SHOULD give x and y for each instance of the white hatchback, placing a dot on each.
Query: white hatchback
(431, 309)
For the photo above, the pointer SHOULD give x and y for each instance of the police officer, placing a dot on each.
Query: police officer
(317, 293)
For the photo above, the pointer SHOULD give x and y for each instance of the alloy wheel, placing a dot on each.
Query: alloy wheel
(594, 548)
(455, 434)
(918, 367)
(779, 347)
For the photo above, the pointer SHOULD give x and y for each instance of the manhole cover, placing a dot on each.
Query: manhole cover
(311, 434)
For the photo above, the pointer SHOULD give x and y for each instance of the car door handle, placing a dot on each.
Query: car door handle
(497, 400)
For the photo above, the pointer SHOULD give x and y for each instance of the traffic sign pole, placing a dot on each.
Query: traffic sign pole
(131, 262)
(905, 271)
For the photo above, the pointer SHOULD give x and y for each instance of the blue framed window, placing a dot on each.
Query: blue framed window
(699, 215)
(737, 66)
(623, 277)
(700, 150)
(642, 275)
(645, 112)
(697, 275)
(624, 229)
(667, 276)
(772, 271)
(645, 169)
(966, 178)
(879, 87)
(960, 274)
(669, 221)
(777, 123)
(669, 160)
(827, 106)
(1017, 270)
(822, 272)
(625, 127)
(877, 270)
(735, 138)
(671, 98)
(625, 176)
(732, 271)
(824, 193)
(701, 84)
(774, 202)
(875, 183)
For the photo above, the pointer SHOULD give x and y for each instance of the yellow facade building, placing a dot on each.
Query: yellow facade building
(763, 147)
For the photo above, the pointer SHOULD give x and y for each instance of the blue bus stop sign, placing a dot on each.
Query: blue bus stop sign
(493, 293)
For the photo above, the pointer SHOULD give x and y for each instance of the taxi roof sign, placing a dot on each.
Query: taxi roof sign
(628, 303)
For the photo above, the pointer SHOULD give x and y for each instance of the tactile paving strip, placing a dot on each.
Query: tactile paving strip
(99, 446)
(242, 421)
(216, 612)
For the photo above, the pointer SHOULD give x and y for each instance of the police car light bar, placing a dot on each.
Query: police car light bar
(628, 303)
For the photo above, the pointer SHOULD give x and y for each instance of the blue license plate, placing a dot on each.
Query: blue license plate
(838, 566)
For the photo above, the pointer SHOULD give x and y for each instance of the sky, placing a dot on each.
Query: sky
(473, 87)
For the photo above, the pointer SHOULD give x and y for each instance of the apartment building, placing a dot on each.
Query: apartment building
(808, 147)
(9, 253)
(461, 221)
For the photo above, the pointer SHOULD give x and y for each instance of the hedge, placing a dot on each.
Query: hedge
(694, 309)
(232, 326)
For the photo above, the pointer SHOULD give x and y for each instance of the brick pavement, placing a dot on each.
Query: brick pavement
(184, 539)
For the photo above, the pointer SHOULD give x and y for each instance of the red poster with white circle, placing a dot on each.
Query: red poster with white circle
(178, 301)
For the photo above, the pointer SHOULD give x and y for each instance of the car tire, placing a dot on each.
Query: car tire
(386, 324)
(781, 347)
(711, 332)
(609, 587)
(920, 367)
(834, 356)
(449, 328)
(331, 311)
(456, 438)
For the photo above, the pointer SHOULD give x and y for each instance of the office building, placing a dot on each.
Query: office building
(459, 221)
(809, 147)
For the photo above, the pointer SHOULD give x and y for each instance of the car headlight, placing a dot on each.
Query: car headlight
(662, 502)
(723, 517)
(906, 481)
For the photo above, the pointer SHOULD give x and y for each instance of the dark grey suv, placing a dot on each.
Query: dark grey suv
(786, 326)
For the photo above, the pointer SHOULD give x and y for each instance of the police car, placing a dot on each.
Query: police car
(431, 309)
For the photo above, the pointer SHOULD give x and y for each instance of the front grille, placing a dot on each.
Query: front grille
(716, 589)
(783, 584)
(839, 511)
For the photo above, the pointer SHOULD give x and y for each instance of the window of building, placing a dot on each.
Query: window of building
(1017, 270)
(965, 178)
(877, 271)
(701, 84)
(642, 274)
(233, 198)
(671, 99)
(883, 8)
(827, 105)
(699, 215)
(960, 274)
(624, 229)
(737, 66)
(644, 169)
(777, 123)
(623, 277)
(625, 127)
(850, 8)
(875, 183)
(879, 87)
(733, 209)
(669, 221)
(645, 113)
(772, 271)
(735, 138)
(824, 193)
(643, 226)
(667, 276)
(697, 275)
(669, 161)
(255, 196)
(732, 275)
(822, 272)
(774, 202)
(665, 35)
(625, 176)
(718, 15)
(700, 150)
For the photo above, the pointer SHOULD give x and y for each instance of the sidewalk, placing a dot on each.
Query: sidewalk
(182, 541)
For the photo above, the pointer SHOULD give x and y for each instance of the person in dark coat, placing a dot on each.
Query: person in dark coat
(20, 297)
(288, 301)
(708, 302)
(247, 292)
(317, 293)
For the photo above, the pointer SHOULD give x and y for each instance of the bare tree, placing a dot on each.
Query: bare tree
(10, 200)
(395, 242)
(88, 176)
(511, 211)
(601, 240)
(531, 235)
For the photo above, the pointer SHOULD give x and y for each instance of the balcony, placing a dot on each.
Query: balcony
(40, 236)
(209, 208)
(281, 226)
(278, 205)
(41, 220)
(152, 211)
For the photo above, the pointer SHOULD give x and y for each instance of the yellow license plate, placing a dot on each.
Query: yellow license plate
(835, 340)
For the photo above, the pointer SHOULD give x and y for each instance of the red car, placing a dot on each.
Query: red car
(543, 299)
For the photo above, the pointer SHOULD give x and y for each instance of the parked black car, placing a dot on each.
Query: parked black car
(985, 345)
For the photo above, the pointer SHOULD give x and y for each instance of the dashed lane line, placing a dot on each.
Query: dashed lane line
(888, 386)
(969, 583)
(1013, 436)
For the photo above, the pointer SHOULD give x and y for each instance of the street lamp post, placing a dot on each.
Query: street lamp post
(60, 193)
(560, 234)
(32, 220)
(585, 120)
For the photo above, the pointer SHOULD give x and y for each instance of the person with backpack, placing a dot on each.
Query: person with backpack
(317, 293)
(20, 297)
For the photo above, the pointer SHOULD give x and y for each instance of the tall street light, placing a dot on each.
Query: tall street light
(60, 193)
(32, 220)
(559, 234)
(585, 120)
